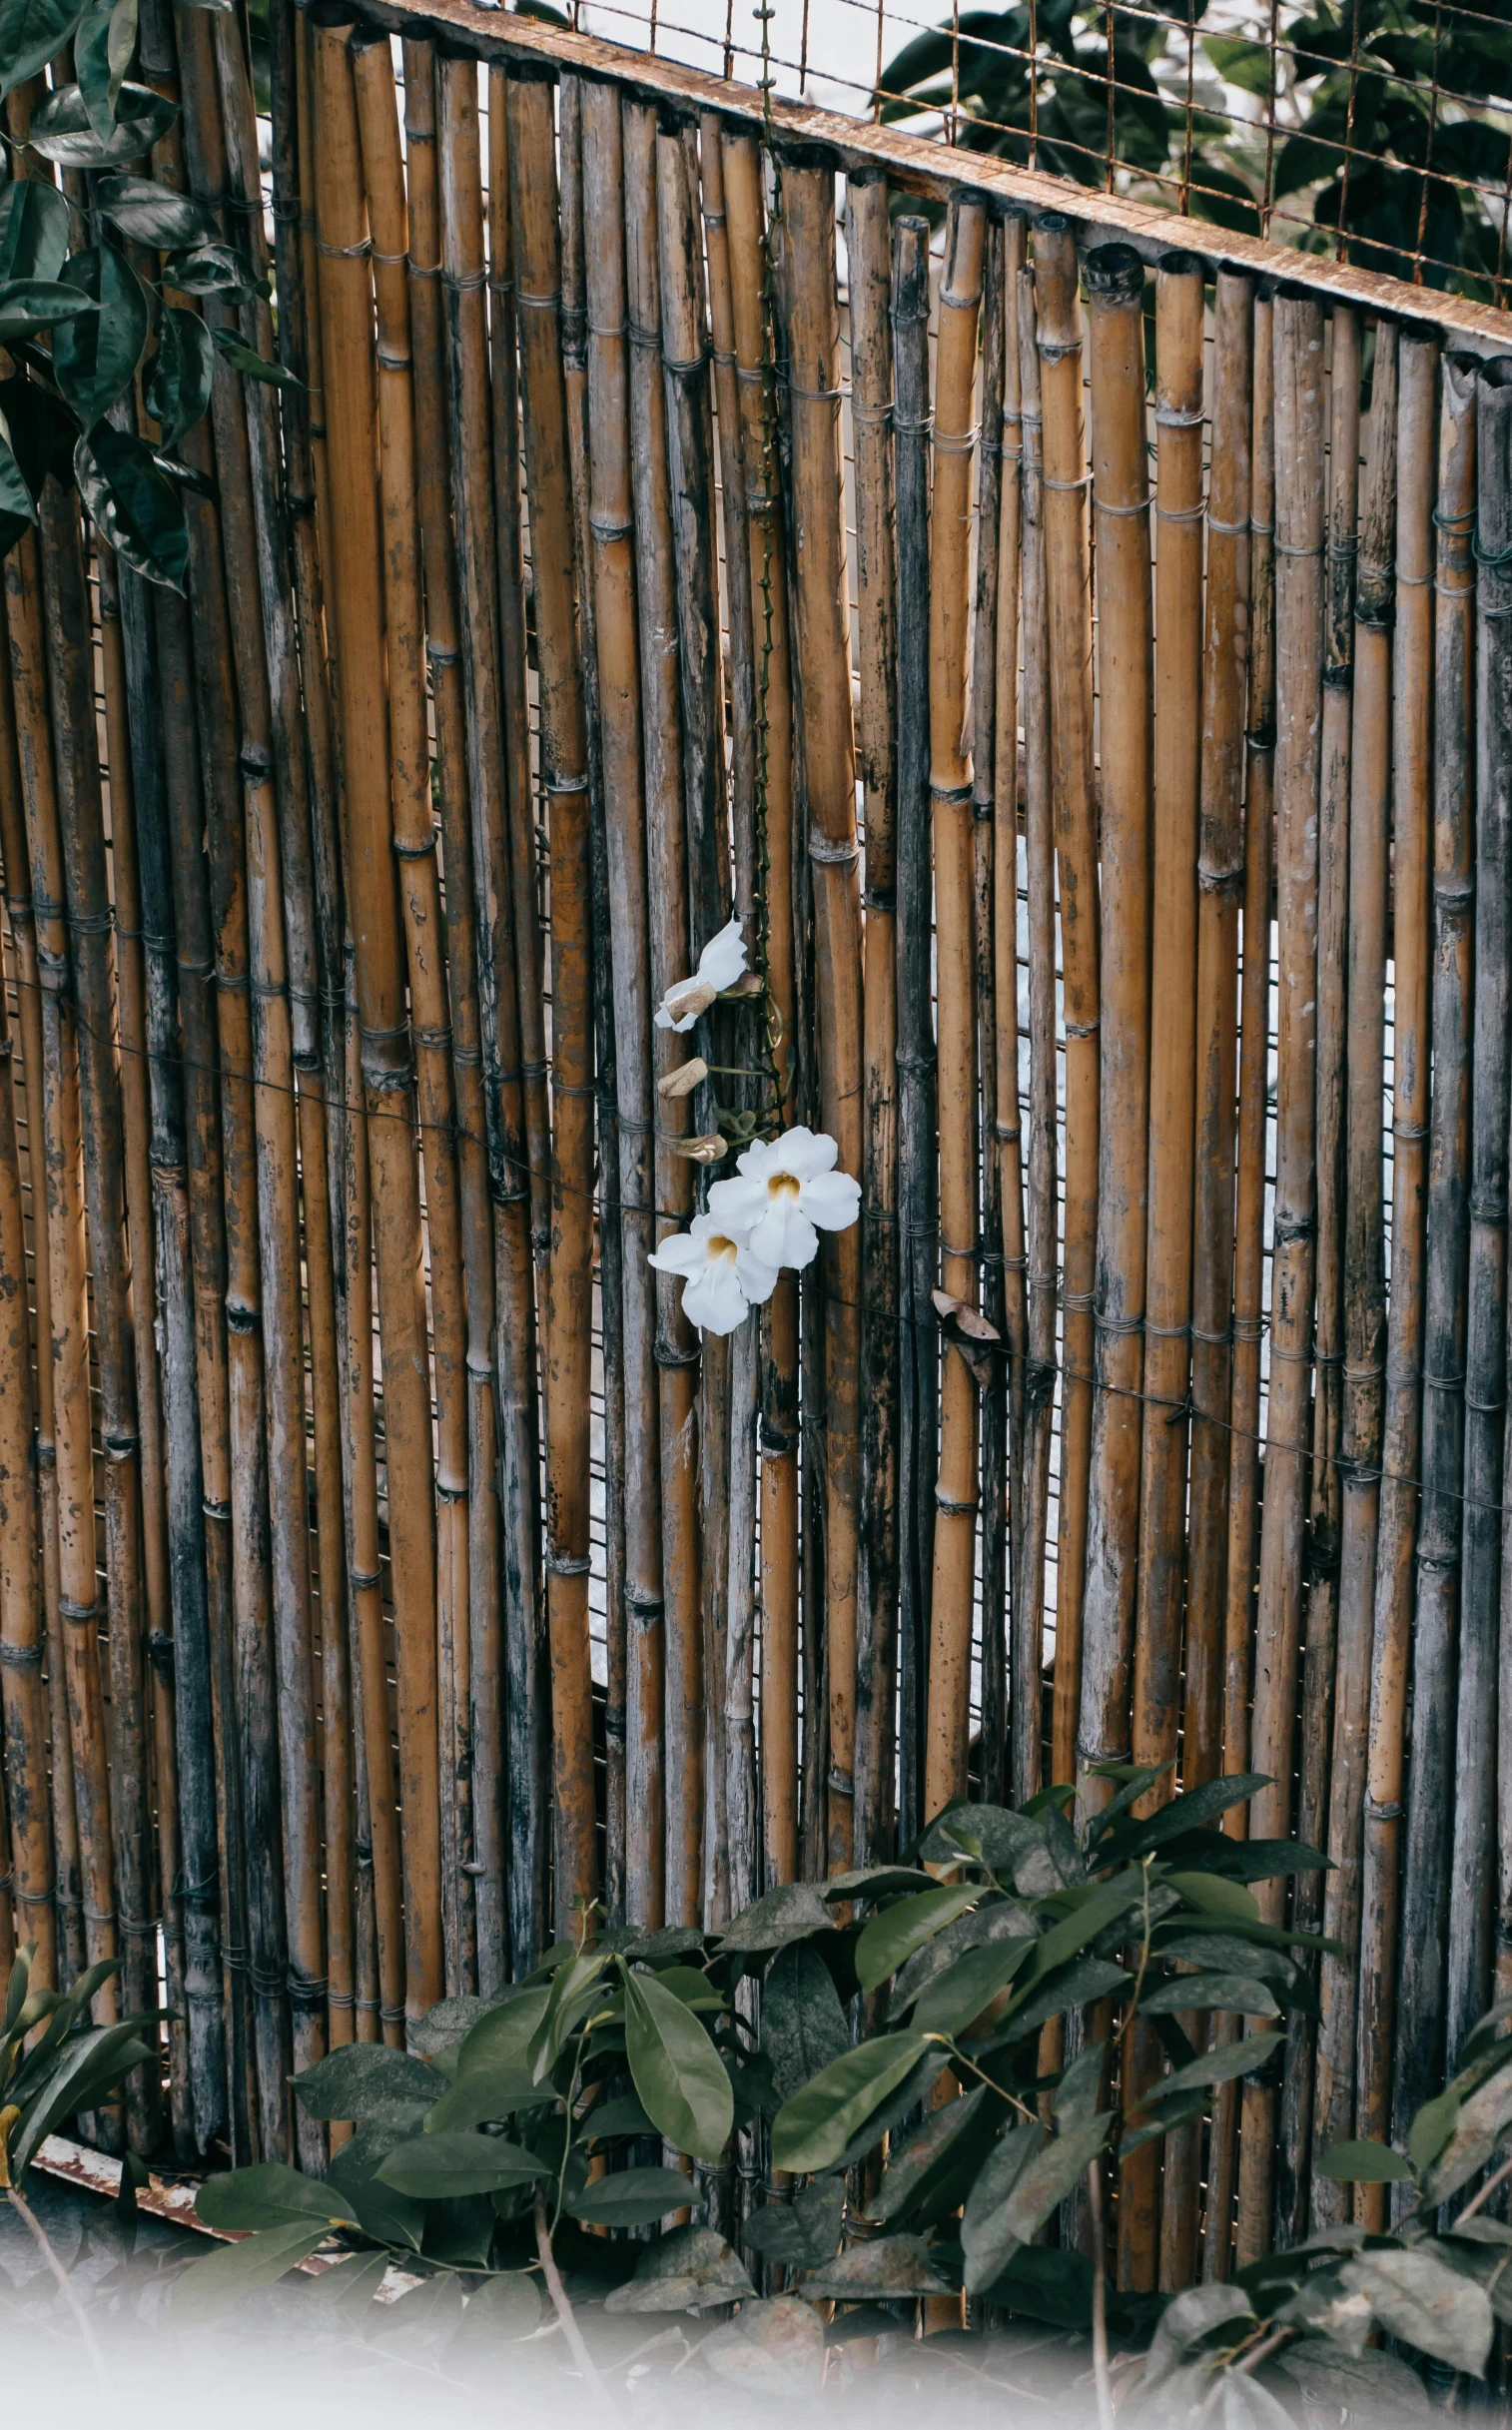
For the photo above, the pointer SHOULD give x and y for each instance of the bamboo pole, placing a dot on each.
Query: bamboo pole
(1221, 880)
(737, 1688)
(772, 811)
(1413, 710)
(511, 1729)
(614, 535)
(956, 1495)
(919, 1355)
(1432, 1759)
(564, 765)
(1249, 1192)
(997, 1532)
(345, 305)
(1042, 1275)
(415, 842)
(822, 675)
(1116, 287)
(1472, 1887)
(868, 250)
(1364, 1270)
(1069, 611)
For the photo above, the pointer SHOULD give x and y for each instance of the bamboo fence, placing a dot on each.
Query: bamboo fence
(1080, 672)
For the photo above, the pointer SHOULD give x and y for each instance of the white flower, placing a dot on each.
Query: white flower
(720, 964)
(724, 1277)
(786, 1188)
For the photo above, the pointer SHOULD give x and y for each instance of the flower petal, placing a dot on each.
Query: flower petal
(784, 1237)
(679, 1253)
(723, 957)
(714, 1300)
(804, 1152)
(738, 1204)
(757, 1279)
(832, 1201)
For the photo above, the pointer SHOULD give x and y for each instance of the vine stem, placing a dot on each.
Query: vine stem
(1098, 2294)
(43, 2244)
(1498, 2177)
(565, 2311)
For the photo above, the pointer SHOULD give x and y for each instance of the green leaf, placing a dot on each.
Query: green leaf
(1199, 1805)
(61, 132)
(1070, 1986)
(1485, 2117)
(502, 2038)
(1219, 2066)
(30, 304)
(16, 511)
(1034, 2192)
(96, 355)
(1171, 2116)
(1481, 2038)
(791, 1912)
(268, 2195)
(1230, 1995)
(893, 1933)
(873, 1882)
(892, 2269)
(803, 2026)
(580, 1980)
(1241, 61)
(1044, 2283)
(929, 2157)
(362, 2079)
(1368, 2386)
(388, 2217)
(35, 220)
(103, 47)
(16, 1986)
(770, 2349)
(632, 2198)
(212, 2287)
(208, 270)
(1416, 2298)
(624, 2115)
(433, 2167)
(813, 2127)
(242, 359)
(91, 2065)
(32, 32)
(692, 2269)
(135, 506)
(1188, 2319)
(987, 2240)
(1094, 1911)
(676, 2069)
(154, 214)
(1433, 2126)
(802, 2232)
(956, 1998)
(1217, 1896)
(485, 2095)
(42, 434)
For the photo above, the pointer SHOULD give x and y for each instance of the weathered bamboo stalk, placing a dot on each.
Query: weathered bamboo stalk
(997, 1531)
(773, 815)
(868, 248)
(1472, 1888)
(1068, 610)
(1041, 1276)
(1494, 694)
(822, 675)
(1364, 1336)
(1412, 862)
(917, 1346)
(614, 535)
(1432, 1757)
(510, 1719)
(1116, 287)
(956, 1494)
(563, 768)
(346, 306)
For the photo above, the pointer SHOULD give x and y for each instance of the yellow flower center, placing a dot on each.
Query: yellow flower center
(718, 1246)
(784, 1185)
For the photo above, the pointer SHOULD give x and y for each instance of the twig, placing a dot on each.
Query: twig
(43, 2244)
(565, 2311)
(1498, 2177)
(1098, 2295)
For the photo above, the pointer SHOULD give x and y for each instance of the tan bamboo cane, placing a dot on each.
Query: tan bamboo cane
(614, 535)
(868, 250)
(1041, 1260)
(1221, 880)
(1299, 400)
(415, 845)
(675, 1345)
(822, 673)
(1472, 1886)
(1320, 1618)
(503, 336)
(510, 1814)
(1250, 1197)
(68, 1904)
(773, 812)
(1431, 1755)
(1000, 1012)
(1364, 1273)
(956, 1495)
(149, 1677)
(563, 766)
(1069, 613)
(1413, 849)
(995, 1555)
(737, 1689)
(345, 305)
(23, 1619)
(1115, 328)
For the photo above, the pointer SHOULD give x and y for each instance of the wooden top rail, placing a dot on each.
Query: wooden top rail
(921, 165)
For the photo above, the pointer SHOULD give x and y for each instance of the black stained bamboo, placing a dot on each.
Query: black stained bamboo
(1365, 1276)
(1472, 1888)
(1432, 1760)
(1396, 1534)
(868, 246)
(1494, 693)
(918, 1378)
(956, 1492)
(1041, 1246)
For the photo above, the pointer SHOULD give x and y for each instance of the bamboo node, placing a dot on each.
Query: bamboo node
(344, 253)
(955, 443)
(954, 1506)
(539, 304)
(1179, 418)
(566, 1564)
(1084, 483)
(20, 1657)
(1231, 531)
(833, 854)
(1137, 506)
